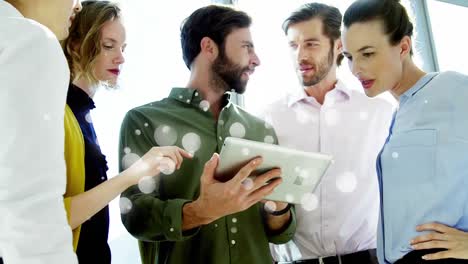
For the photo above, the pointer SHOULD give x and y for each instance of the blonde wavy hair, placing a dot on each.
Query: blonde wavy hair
(83, 44)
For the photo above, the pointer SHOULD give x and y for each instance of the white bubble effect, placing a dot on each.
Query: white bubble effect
(308, 180)
(125, 205)
(330, 101)
(346, 182)
(268, 122)
(331, 117)
(191, 142)
(237, 130)
(303, 116)
(309, 202)
(46, 117)
(269, 140)
(245, 151)
(363, 115)
(204, 105)
(304, 174)
(221, 122)
(165, 135)
(88, 118)
(248, 184)
(129, 159)
(127, 150)
(137, 132)
(297, 169)
(233, 229)
(147, 184)
(270, 206)
(146, 125)
(289, 198)
(395, 155)
(167, 166)
(426, 101)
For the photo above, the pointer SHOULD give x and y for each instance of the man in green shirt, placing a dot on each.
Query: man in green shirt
(188, 216)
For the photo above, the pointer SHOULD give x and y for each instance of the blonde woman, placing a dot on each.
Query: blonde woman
(33, 82)
(94, 51)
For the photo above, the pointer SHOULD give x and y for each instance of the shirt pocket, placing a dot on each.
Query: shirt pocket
(413, 156)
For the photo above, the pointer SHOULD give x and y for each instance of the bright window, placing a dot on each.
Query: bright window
(448, 22)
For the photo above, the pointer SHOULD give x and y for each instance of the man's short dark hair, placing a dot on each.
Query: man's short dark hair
(329, 15)
(213, 21)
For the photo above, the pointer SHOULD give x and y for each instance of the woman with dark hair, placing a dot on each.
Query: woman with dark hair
(422, 167)
(94, 50)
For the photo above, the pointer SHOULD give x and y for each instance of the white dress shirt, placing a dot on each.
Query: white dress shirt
(33, 84)
(342, 214)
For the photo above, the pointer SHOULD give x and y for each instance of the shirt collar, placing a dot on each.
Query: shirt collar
(342, 92)
(418, 86)
(193, 97)
(7, 10)
(78, 99)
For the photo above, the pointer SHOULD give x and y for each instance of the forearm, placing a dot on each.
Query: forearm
(85, 205)
(191, 217)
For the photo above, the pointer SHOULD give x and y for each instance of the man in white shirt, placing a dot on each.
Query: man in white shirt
(338, 222)
(34, 79)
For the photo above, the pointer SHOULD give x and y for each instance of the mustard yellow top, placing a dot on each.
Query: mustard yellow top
(74, 157)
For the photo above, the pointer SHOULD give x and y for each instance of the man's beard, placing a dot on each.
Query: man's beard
(227, 75)
(323, 69)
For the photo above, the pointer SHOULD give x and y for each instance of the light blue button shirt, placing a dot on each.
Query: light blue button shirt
(423, 167)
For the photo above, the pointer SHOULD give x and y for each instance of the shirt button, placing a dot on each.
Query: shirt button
(233, 242)
(172, 229)
(234, 220)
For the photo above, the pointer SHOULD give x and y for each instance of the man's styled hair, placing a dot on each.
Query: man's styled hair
(329, 15)
(213, 21)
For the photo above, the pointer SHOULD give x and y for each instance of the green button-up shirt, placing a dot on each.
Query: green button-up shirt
(155, 219)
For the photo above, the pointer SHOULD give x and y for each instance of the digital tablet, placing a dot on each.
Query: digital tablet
(301, 171)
